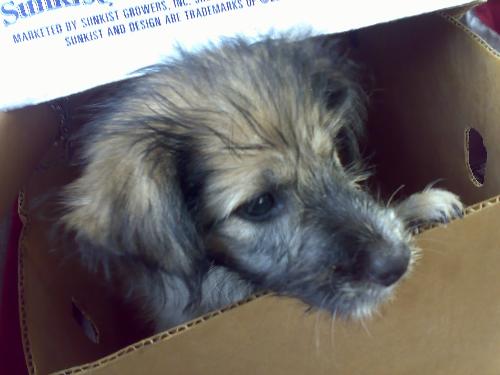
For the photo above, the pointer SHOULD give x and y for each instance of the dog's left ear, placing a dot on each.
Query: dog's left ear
(128, 202)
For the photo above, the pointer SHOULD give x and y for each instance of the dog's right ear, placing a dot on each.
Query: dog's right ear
(336, 80)
(128, 201)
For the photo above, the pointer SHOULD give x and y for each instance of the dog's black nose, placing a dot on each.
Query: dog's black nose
(385, 264)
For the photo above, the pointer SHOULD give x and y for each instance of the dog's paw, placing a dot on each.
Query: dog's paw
(430, 206)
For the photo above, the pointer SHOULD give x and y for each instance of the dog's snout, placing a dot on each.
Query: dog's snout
(384, 264)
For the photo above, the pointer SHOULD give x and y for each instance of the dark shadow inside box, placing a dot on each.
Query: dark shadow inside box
(423, 105)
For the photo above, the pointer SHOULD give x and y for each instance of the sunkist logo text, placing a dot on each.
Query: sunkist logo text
(11, 11)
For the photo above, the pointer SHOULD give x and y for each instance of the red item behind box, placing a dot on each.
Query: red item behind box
(11, 350)
(489, 14)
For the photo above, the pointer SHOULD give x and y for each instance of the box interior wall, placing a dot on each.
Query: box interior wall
(433, 80)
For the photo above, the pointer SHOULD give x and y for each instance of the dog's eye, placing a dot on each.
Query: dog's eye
(258, 209)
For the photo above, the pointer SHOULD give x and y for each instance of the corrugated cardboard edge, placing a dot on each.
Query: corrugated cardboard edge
(23, 215)
(192, 324)
(484, 204)
(164, 336)
(471, 34)
(459, 11)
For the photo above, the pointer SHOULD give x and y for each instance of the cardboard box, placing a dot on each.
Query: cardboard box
(435, 81)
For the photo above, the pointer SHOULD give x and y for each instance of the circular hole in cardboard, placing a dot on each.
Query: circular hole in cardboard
(83, 319)
(476, 156)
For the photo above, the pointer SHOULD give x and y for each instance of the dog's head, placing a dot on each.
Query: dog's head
(247, 156)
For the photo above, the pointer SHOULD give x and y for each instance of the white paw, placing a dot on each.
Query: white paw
(430, 206)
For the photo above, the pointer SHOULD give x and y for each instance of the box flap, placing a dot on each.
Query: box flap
(52, 49)
(443, 321)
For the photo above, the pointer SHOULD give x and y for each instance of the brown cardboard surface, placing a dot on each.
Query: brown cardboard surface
(24, 138)
(51, 281)
(434, 81)
(444, 321)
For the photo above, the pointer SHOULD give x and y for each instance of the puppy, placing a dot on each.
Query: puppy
(237, 169)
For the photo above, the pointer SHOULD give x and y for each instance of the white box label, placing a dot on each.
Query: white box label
(53, 48)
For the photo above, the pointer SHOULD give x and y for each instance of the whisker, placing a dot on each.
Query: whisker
(389, 201)
(333, 316)
(365, 327)
(316, 323)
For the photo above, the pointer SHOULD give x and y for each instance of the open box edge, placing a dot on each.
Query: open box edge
(171, 333)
